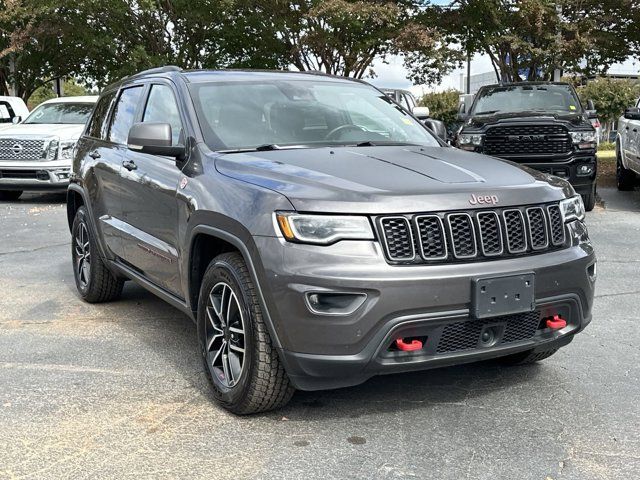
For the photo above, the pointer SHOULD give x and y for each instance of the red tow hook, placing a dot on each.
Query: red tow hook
(408, 347)
(556, 323)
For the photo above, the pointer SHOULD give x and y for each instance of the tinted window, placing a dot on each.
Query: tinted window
(162, 107)
(61, 113)
(124, 114)
(519, 98)
(97, 125)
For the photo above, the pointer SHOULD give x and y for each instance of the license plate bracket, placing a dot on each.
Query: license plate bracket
(504, 295)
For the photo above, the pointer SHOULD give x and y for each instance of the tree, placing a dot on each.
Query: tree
(610, 98)
(529, 39)
(442, 105)
(70, 89)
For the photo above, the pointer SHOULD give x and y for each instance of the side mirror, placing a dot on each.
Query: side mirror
(462, 112)
(421, 112)
(591, 113)
(154, 139)
(632, 113)
(17, 119)
(590, 105)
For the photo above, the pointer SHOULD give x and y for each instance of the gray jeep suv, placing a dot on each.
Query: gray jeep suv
(318, 233)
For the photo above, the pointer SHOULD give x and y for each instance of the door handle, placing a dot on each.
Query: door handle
(627, 127)
(129, 165)
(95, 154)
(635, 129)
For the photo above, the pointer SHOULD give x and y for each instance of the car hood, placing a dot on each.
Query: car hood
(566, 117)
(63, 131)
(390, 179)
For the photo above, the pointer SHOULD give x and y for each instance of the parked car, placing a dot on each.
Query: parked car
(628, 148)
(538, 124)
(317, 234)
(35, 154)
(12, 110)
(406, 99)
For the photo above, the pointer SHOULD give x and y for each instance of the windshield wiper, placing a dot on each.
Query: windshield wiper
(369, 143)
(487, 112)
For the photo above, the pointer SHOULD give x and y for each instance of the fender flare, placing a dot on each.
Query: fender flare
(246, 255)
(92, 221)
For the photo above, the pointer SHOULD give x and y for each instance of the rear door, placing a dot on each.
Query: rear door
(150, 207)
(108, 156)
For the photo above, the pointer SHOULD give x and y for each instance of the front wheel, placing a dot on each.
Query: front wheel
(625, 178)
(10, 194)
(240, 360)
(589, 199)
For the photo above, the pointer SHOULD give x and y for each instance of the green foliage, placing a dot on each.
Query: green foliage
(606, 146)
(442, 105)
(610, 97)
(528, 39)
(70, 89)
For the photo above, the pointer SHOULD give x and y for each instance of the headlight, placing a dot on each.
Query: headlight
(470, 139)
(52, 150)
(66, 150)
(572, 209)
(583, 137)
(323, 229)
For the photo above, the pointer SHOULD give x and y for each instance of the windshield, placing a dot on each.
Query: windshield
(71, 113)
(272, 114)
(523, 98)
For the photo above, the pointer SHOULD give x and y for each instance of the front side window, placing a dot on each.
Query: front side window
(97, 124)
(303, 113)
(524, 98)
(61, 113)
(124, 114)
(161, 107)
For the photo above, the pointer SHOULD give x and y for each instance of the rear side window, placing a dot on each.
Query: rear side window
(98, 123)
(124, 114)
(162, 107)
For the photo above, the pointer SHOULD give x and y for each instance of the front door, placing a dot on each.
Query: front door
(149, 203)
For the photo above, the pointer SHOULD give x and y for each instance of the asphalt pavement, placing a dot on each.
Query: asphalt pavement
(118, 390)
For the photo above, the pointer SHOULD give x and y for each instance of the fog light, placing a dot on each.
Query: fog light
(334, 303)
(584, 170)
(62, 175)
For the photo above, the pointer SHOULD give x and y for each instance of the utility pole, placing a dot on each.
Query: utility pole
(557, 72)
(468, 89)
(58, 87)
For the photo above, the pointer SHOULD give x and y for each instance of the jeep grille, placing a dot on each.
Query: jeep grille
(471, 235)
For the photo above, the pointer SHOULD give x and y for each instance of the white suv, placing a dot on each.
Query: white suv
(36, 154)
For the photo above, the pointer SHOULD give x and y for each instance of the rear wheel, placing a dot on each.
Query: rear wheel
(527, 357)
(625, 178)
(94, 281)
(240, 360)
(10, 194)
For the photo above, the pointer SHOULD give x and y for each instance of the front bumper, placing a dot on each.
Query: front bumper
(328, 351)
(34, 175)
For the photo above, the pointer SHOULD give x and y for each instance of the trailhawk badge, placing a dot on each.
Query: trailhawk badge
(483, 199)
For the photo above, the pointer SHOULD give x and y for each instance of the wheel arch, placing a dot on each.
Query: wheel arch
(205, 243)
(75, 199)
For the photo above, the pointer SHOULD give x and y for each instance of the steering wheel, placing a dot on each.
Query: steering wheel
(333, 133)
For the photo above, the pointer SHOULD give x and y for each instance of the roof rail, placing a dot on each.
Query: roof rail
(166, 68)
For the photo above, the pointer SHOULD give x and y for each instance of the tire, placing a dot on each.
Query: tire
(589, 199)
(625, 178)
(94, 281)
(10, 194)
(250, 381)
(525, 358)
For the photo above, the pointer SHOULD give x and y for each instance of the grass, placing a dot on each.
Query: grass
(606, 168)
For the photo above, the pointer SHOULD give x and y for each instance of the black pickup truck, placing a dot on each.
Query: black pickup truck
(539, 124)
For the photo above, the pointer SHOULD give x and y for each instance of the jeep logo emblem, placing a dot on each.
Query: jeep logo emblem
(483, 199)
(17, 149)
